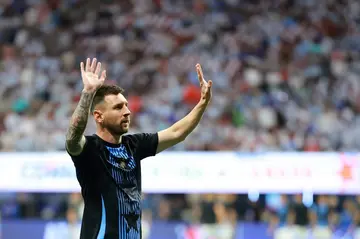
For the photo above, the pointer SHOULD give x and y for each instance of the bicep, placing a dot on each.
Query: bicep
(75, 147)
(167, 139)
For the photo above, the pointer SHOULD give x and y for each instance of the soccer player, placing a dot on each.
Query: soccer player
(108, 163)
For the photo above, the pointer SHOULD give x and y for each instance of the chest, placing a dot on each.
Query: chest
(120, 159)
(123, 167)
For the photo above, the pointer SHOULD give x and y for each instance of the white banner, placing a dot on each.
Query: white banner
(184, 172)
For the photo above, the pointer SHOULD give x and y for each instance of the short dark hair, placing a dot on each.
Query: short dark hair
(103, 91)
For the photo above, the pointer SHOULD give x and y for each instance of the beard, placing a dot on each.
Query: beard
(116, 129)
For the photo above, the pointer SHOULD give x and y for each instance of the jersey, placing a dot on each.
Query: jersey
(110, 179)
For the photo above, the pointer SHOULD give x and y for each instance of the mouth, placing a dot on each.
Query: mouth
(125, 121)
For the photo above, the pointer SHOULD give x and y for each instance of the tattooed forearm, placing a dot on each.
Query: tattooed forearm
(78, 123)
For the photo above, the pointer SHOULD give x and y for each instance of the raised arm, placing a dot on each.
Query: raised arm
(75, 139)
(181, 129)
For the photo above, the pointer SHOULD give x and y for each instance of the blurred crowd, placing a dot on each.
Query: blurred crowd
(285, 73)
(322, 213)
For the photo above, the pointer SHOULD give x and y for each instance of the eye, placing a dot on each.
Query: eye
(118, 107)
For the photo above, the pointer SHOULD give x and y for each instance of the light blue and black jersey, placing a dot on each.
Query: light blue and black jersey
(110, 180)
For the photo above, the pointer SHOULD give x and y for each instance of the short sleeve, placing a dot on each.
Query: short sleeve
(146, 144)
(84, 153)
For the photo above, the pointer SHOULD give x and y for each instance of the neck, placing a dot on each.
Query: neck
(108, 137)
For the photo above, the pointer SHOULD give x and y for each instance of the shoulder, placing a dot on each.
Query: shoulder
(137, 139)
(91, 138)
(90, 143)
(143, 144)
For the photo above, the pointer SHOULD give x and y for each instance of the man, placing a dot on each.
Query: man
(108, 163)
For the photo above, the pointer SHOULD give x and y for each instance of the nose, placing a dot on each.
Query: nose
(127, 112)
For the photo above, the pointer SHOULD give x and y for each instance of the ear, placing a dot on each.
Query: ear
(98, 116)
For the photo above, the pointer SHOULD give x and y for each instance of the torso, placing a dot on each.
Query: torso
(111, 187)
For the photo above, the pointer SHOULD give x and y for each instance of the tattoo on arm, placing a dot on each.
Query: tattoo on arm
(78, 122)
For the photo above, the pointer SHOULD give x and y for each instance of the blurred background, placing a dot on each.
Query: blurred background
(286, 79)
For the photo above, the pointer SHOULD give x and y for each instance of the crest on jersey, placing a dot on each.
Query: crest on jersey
(119, 158)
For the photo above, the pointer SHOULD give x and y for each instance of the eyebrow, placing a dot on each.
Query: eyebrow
(120, 104)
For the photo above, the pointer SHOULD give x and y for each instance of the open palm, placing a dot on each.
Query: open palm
(90, 74)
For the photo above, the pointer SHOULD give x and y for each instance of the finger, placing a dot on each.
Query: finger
(103, 76)
(98, 69)
(199, 73)
(93, 65)
(82, 67)
(87, 68)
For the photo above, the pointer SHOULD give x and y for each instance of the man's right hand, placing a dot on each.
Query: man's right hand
(91, 77)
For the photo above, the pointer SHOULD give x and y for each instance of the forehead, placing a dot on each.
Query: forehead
(115, 99)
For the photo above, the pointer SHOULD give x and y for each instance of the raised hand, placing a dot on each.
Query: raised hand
(90, 74)
(205, 86)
